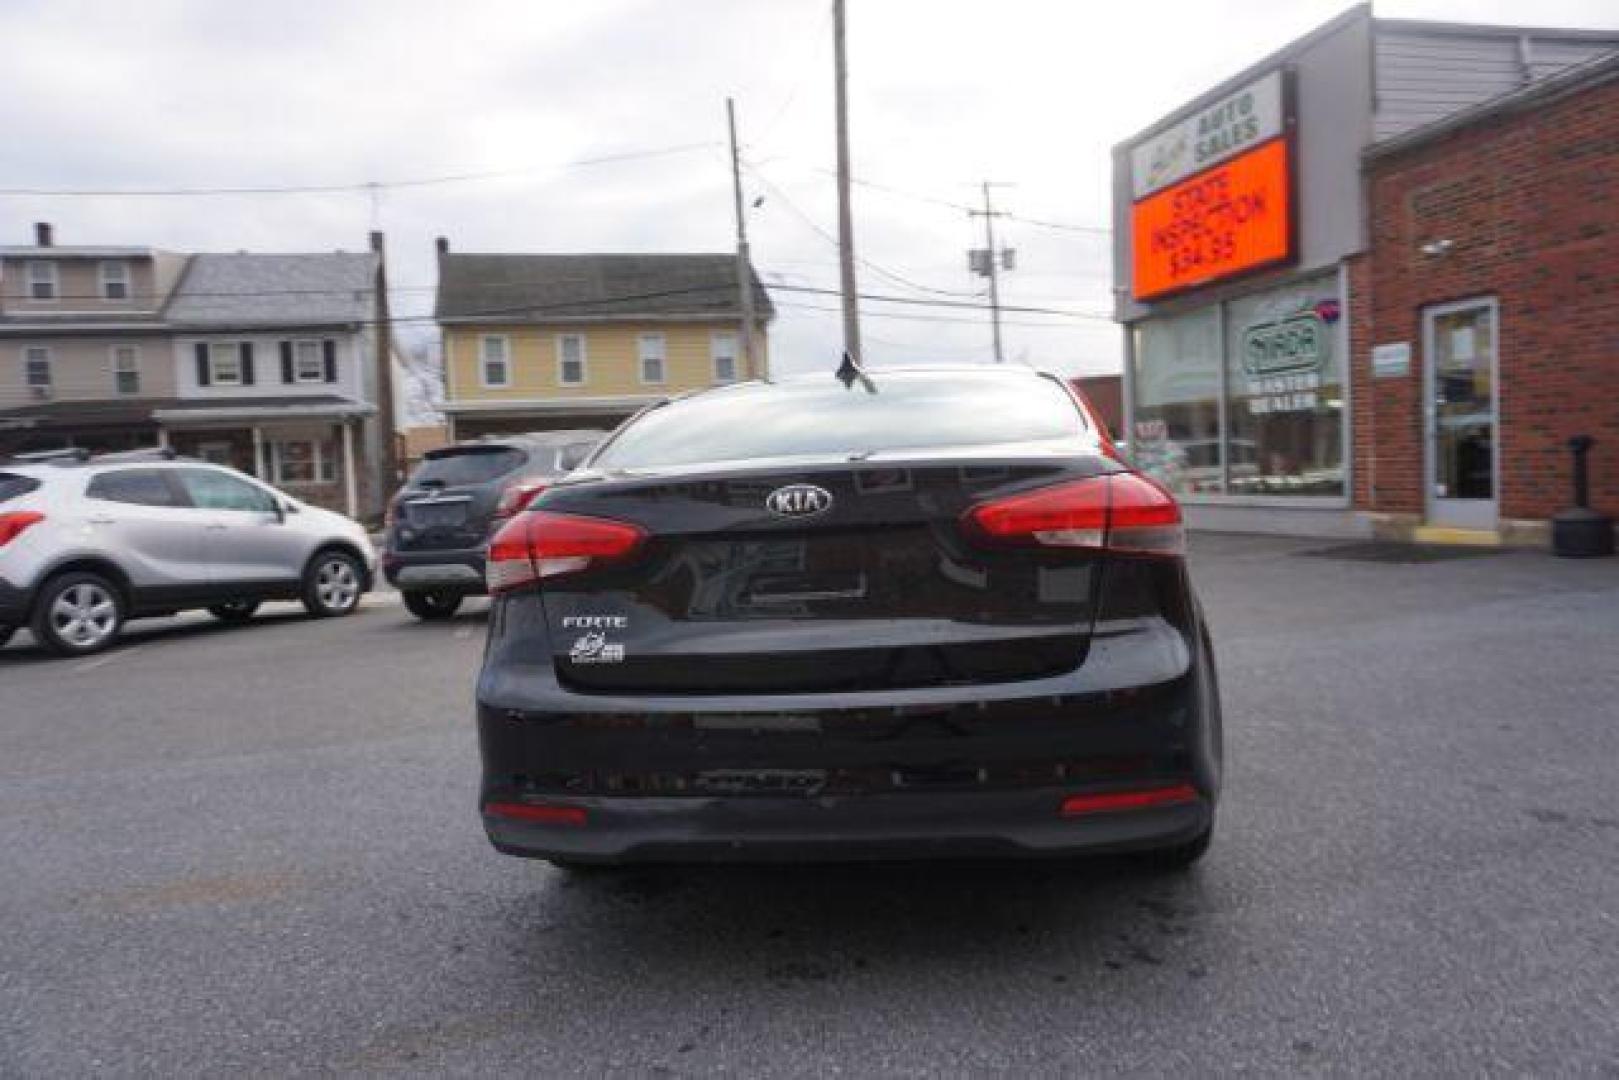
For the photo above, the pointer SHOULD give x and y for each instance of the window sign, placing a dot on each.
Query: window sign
(1231, 219)
(1242, 119)
(1213, 193)
(1285, 380)
(1462, 349)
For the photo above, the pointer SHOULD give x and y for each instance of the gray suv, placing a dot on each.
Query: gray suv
(439, 524)
(87, 544)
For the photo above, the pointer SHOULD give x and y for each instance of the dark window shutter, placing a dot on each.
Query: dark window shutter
(247, 363)
(330, 348)
(202, 365)
(286, 362)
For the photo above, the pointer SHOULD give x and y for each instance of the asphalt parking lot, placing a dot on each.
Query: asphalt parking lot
(255, 850)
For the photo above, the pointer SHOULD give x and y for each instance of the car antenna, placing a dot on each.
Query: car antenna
(849, 371)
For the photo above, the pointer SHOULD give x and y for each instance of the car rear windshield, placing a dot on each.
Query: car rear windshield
(467, 465)
(815, 417)
(14, 486)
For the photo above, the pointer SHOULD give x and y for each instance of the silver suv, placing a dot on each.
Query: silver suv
(88, 544)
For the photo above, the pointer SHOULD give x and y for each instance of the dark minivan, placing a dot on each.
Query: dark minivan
(439, 524)
(907, 614)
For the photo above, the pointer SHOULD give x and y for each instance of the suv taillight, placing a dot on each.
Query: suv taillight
(1119, 512)
(14, 522)
(517, 497)
(540, 544)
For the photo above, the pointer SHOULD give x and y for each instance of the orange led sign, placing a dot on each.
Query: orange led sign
(1229, 219)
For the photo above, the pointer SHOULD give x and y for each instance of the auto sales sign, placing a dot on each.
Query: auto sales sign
(1213, 194)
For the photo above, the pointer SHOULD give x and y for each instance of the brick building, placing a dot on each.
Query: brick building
(1368, 283)
(1502, 222)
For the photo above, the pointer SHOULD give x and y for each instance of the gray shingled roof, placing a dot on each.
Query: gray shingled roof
(545, 287)
(274, 290)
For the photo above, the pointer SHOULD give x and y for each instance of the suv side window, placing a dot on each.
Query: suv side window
(210, 490)
(140, 487)
(13, 486)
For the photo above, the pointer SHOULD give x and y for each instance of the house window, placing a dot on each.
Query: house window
(37, 367)
(126, 368)
(571, 359)
(297, 462)
(495, 362)
(652, 348)
(42, 280)
(722, 347)
(115, 280)
(308, 363)
(225, 364)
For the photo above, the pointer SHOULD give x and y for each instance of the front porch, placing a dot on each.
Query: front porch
(100, 427)
(310, 452)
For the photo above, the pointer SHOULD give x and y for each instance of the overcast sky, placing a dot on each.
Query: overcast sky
(943, 95)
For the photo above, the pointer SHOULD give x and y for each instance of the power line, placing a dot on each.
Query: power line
(915, 317)
(600, 301)
(367, 186)
(967, 208)
(780, 286)
(811, 52)
(880, 271)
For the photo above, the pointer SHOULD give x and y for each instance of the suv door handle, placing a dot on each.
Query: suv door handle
(102, 521)
(217, 526)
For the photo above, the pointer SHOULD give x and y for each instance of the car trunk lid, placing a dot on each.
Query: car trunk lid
(853, 576)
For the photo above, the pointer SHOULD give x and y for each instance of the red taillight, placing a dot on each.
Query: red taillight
(517, 497)
(1102, 802)
(1121, 512)
(539, 813)
(12, 524)
(540, 544)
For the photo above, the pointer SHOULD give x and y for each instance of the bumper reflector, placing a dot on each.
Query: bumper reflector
(537, 813)
(1102, 802)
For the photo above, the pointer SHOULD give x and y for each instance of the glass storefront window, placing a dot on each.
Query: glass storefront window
(1176, 437)
(1285, 377)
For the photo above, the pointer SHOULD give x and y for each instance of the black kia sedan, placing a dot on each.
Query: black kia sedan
(896, 615)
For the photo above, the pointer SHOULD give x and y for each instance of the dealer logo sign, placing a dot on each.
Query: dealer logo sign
(799, 501)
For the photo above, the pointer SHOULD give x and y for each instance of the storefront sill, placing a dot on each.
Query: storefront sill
(1318, 522)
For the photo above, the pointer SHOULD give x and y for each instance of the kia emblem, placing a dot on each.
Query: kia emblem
(798, 501)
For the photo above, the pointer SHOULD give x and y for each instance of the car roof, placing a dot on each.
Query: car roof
(527, 441)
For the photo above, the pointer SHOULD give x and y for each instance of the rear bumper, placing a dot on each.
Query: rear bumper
(947, 772)
(460, 571)
(1013, 824)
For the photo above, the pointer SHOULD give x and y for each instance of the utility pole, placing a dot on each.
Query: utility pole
(744, 271)
(988, 262)
(851, 311)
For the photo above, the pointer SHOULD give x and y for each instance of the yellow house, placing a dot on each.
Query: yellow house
(546, 342)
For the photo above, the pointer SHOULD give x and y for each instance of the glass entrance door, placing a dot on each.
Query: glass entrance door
(1460, 344)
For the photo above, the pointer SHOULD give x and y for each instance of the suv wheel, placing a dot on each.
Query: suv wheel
(332, 584)
(77, 614)
(234, 611)
(432, 604)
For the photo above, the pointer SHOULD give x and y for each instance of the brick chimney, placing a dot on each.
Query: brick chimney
(42, 234)
(443, 245)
